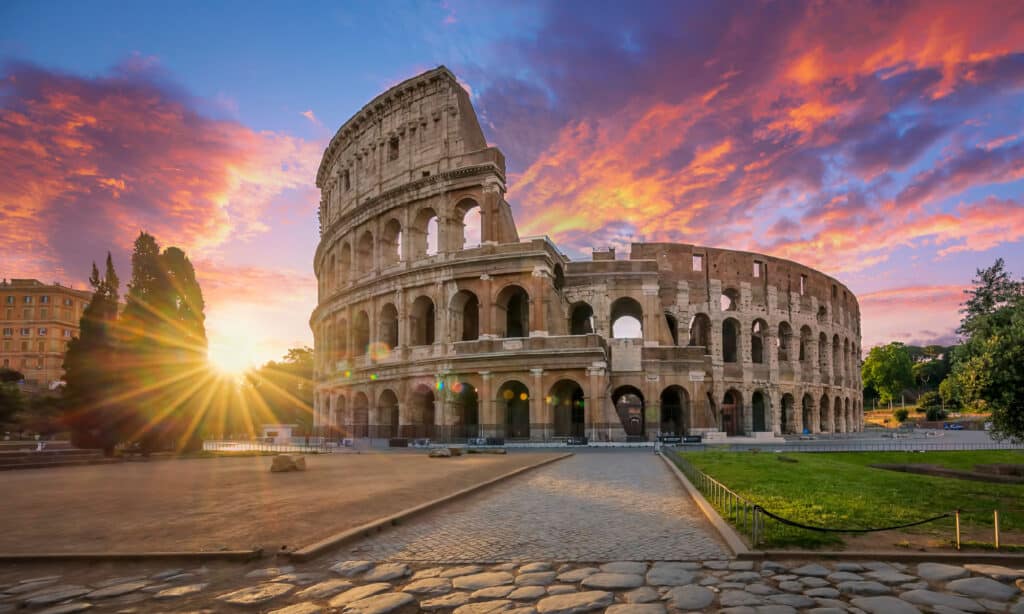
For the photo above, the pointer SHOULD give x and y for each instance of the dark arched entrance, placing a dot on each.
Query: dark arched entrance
(759, 412)
(465, 410)
(675, 411)
(514, 398)
(629, 404)
(423, 412)
(567, 409)
(732, 413)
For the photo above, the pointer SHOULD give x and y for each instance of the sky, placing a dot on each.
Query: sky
(882, 143)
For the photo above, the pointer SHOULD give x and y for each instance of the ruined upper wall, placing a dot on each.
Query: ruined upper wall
(421, 127)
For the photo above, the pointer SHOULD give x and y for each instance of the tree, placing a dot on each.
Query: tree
(12, 401)
(888, 370)
(286, 387)
(901, 415)
(949, 393)
(994, 288)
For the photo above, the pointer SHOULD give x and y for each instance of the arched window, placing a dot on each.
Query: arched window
(825, 415)
(364, 255)
(361, 334)
(700, 331)
(757, 334)
(787, 419)
(732, 413)
(513, 305)
(388, 333)
(807, 411)
(784, 341)
(468, 216)
(341, 341)
(465, 313)
(730, 300)
(424, 234)
(465, 410)
(421, 321)
(391, 244)
(822, 315)
(759, 412)
(567, 408)
(581, 319)
(806, 339)
(730, 340)
(513, 400)
(627, 318)
(387, 415)
(360, 415)
(629, 404)
(331, 278)
(675, 411)
(422, 411)
(345, 264)
(823, 354)
(837, 361)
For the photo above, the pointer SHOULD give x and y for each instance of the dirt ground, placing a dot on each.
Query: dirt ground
(224, 503)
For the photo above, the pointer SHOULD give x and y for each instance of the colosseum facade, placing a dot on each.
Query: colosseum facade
(430, 326)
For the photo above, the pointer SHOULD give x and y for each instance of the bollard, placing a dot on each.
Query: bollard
(957, 529)
(995, 518)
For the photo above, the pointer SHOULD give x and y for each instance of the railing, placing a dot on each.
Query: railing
(743, 514)
(852, 445)
(316, 445)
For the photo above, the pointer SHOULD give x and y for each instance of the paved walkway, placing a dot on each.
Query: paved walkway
(594, 506)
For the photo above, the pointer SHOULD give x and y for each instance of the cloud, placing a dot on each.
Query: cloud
(311, 117)
(916, 315)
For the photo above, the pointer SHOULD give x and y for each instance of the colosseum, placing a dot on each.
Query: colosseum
(437, 320)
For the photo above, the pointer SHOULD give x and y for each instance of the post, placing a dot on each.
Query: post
(957, 515)
(995, 518)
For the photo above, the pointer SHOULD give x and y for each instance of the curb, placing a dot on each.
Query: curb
(317, 548)
(902, 557)
(724, 529)
(66, 557)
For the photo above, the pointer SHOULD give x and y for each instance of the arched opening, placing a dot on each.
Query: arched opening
(513, 306)
(823, 356)
(424, 234)
(757, 334)
(675, 411)
(807, 413)
(673, 327)
(360, 415)
(567, 409)
(759, 412)
(345, 263)
(783, 341)
(387, 414)
(465, 311)
(627, 317)
(838, 416)
(730, 339)
(581, 319)
(364, 253)
(388, 333)
(422, 412)
(465, 410)
(822, 315)
(847, 375)
(806, 339)
(341, 341)
(513, 401)
(700, 331)
(558, 278)
(849, 416)
(422, 320)
(824, 415)
(361, 334)
(837, 362)
(629, 404)
(338, 426)
(730, 300)
(787, 419)
(732, 413)
(331, 280)
(391, 244)
(468, 215)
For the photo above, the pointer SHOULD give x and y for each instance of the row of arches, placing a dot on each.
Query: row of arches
(366, 250)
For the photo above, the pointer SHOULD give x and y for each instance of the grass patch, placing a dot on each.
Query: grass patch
(838, 489)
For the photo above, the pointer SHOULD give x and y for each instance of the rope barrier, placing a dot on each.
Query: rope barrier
(831, 530)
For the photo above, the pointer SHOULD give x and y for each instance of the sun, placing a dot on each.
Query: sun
(231, 358)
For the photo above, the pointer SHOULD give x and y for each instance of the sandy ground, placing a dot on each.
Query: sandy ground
(224, 503)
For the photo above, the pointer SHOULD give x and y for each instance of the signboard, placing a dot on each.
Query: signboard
(696, 376)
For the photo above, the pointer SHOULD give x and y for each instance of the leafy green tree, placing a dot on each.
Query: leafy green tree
(901, 415)
(12, 402)
(935, 414)
(888, 370)
(949, 392)
(286, 387)
(929, 399)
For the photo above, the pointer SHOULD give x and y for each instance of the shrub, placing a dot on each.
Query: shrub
(901, 415)
(929, 399)
(935, 414)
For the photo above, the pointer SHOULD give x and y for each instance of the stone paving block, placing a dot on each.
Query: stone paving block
(985, 588)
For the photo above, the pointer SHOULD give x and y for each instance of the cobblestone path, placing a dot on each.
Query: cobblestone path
(593, 506)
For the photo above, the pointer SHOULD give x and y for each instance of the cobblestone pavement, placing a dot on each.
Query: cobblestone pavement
(538, 587)
(593, 506)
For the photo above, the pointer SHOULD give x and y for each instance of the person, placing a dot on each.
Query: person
(40, 445)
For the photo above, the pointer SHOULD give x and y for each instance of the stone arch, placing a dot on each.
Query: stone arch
(424, 234)
(632, 409)
(806, 339)
(730, 340)
(422, 418)
(581, 319)
(364, 253)
(512, 305)
(729, 300)
(787, 416)
(700, 331)
(465, 316)
(824, 415)
(732, 412)
(760, 412)
(822, 315)
(465, 410)
(387, 414)
(387, 333)
(807, 412)
(758, 333)
(784, 341)
(627, 317)
(391, 243)
(360, 415)
(848, 415)
(513, 404)
(361, 333)
(345, 263)
(837, 362)
(823, 354)
(675, 411)
(422, 321)
(469, 221)
(568, 413)
(847, 374)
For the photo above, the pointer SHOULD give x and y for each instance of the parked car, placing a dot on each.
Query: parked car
(953, 426)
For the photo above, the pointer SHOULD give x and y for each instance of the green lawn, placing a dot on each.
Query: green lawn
(839, 490)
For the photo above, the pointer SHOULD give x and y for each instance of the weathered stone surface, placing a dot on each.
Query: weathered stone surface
(863, 587)
(67, 608)
(774, 566)
(121, 580)
(561, 589)
(351, 568)
(938, 572)
(716, 564)
(644, 594)
(533, 567)
(732, 597)
(691, 597)
(793, 601)
(54, 594)
(430, 572)
(998, 572)
(387, 571)
(536, 578)
(429, 586)
(256, 595)
(492, 592)
(482, 580)
(522, 610)
(741, 565)
(485, 607)
(760, 589)
(743, 576)
(848, 566)
(792, 586)
(382, 603)
(884, 605)
(167, 573)
(116, 590)
(613, 581)
(812, 569)
(570, 603)
(910, 586)
(813, 581)
(933, 599)
(671, 574)
(38, 580)
(302, 579)
(439, 453)
(636, 608)
(269, 572)
(826, 592)
(504, 567)
(985, 588)
(633, 567)
(451, 600)
(844, 576)
(577, 574)
(176, 592)
(325, 589)
(288, 462)
(306, 607)
(527, 593)
(357, 593)
(890, 576)
(461, 570)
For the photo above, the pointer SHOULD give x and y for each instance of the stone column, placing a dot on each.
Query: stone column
(486, 308)
(537, 405)
(488, 420)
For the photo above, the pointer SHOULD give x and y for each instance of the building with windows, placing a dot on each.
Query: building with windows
(435, 319)
(38, 321)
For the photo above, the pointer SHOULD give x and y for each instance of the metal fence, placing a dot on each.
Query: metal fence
(313, 447)
(834, 445)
